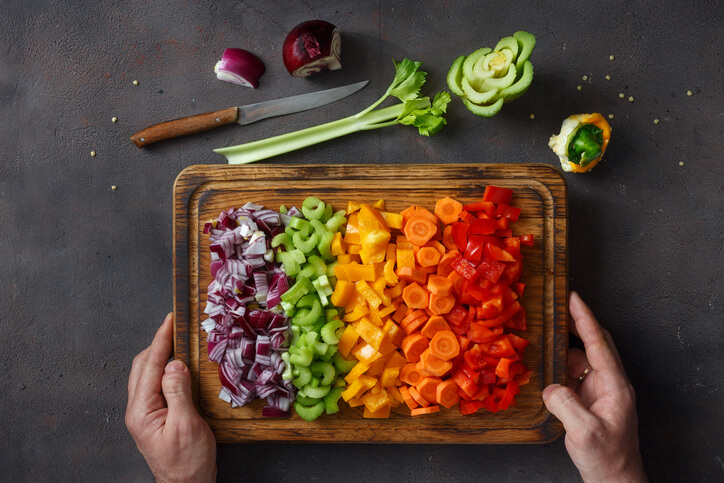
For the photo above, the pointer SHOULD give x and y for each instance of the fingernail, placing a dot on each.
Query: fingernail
(175, 366)
(548, 390)
(168, 317)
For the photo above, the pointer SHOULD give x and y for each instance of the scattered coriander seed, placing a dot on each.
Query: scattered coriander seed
(610, 57)
(610, 116)
(621, 95)
(608, 77)
(114, 119)
(135, 82)
(114, 187)
(630, 99)
(656, 121)
(93, 154)
(532, 116)
(585, 77)
(578, 87)
(681, 163)
(689, 93)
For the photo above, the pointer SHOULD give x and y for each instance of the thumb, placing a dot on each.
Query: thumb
(565, 404)
(176, 385)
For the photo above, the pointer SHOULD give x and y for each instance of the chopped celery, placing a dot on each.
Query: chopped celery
(309, 413)
(331, 400)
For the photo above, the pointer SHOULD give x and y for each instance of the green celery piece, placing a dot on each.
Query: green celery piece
(328, 212)
(307, 272)
(316, 392)
(319, 227)
(303, 376)
(321, 348)
(296, 291)
(288, 374)
(484, 111)
(324, 246)
(331, 400)
(329, 331)
(305, 245)
(526, 42)
(471, 62)
(325, 370)
(313, 208)
(298, 255)
(300, 224)
(342, 364)
(307, 401)
(302, 358)
(331, 314)
(340, 382)
(508, 43)
(521, 85)
(318, 265)
(501, 82)
(311, 413)
(331, 351)
(335, 222)
(283, 210)
(455, 76)
(308, 316)
(320, 292)
(475, 96)
(282, 239)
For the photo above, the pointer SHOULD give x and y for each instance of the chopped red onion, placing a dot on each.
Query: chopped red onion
(240, 67)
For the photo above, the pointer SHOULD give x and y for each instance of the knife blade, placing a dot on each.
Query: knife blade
(242, 114)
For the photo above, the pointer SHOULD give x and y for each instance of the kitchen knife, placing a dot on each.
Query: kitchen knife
(242, 114)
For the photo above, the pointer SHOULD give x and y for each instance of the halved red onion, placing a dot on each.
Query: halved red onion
(311, 47)
(240, 67)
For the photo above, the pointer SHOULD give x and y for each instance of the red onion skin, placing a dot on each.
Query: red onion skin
(311, 47)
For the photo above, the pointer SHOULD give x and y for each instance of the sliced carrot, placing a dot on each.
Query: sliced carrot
(428, 388)
(411, 403)
(444, 345)
(448, 210)
(422, 411)
(447, 393)
(400, 313)
(447, 238)
(440, 304)
(434, 324)
(432, 365)
(417, 211)
(414, 314)
(409, 274)
(416, 324)
(415, 296)
(419, 230)
(418, 397)
(439, 285)
(410, 374)
(444, 268)
(413, 345)
(437, 246)
(428, 256)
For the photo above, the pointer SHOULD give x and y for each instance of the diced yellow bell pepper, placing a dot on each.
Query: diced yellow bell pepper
(370, 333)
(391, 278)
(376, 401)
(352, 206)
(356, 372)
(383, 413)
(391, 252)
(394, 392)
(396, 360)
(379, 286)
(374, 316)
(340, 271)
(405, 257)
(356, 314)
(366, 353)
(369, 294)
(389, 376)
(355, 402)
(344, 259)
(385, 311)
(396, 291)
(379, 205)
(403, 243)
(343, 290)
(376, 368)
(354, 249)
(355, 272)
(356, 389)
(393, 220)
(338, 246)
(367, 381)
(347, 341)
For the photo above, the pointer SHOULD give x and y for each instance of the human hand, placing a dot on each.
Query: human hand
(597, 409)
(176, 442)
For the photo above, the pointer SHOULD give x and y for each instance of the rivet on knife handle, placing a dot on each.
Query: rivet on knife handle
(185, 126)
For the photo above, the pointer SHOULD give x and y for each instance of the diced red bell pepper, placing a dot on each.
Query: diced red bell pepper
(466, 268)
(478, 333)
(490, 270)
(502, 223)
(498, 347)
(495, 253)
(507, 313)
(483, 392)
(527, 240)
(490, 307)
(466, 217)
(475, 247)
(491, 404)
(487, 376)
(513, 271)
(523, 378)
(498, 195)
(465, 383)
(460, 235)
(517, 368)
(518, 287)
(511, 390)
(469, 407)
(473, 358)
(519, 321)
(506, 233)
(518, 342)
(463, 395)
(502, 370)
(512, 246)
(478, 206)
(511, 213)
(483, 227)
(456, 315)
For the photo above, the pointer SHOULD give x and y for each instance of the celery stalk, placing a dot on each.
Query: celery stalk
(414, 110)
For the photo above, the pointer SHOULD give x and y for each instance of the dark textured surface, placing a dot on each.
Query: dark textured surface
(86, 277)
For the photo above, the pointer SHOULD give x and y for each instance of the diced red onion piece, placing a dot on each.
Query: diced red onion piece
(240, 67)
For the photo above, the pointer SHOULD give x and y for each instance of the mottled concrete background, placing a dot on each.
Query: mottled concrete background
(86, 272)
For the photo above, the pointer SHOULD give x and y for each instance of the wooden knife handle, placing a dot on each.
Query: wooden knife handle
(185, 126)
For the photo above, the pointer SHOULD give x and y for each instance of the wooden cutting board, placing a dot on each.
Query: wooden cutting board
(202, 192)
